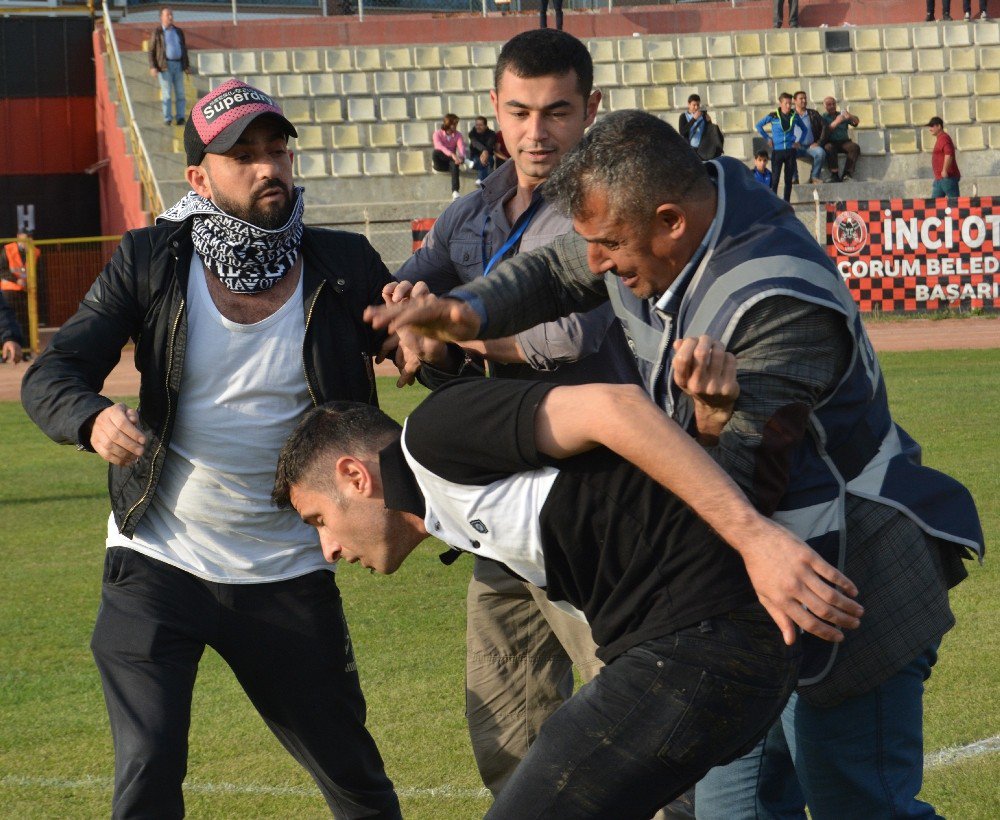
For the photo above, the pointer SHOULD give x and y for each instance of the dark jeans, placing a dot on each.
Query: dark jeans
(654, 721)
(793, 12)
(482, 168)
(556, 7)
(783, 160)
(851, 149)
(443, 163)
(287, 643)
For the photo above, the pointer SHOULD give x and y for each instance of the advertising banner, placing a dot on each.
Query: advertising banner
(900, 255)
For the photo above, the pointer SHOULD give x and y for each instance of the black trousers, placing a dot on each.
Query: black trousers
(287, 643)
(443, 163)
(543, 17)
(783, 160)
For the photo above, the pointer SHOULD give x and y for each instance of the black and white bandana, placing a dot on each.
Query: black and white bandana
(247, 259)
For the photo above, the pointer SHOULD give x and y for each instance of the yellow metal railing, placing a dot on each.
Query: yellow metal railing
(150, 187)
(59, 276)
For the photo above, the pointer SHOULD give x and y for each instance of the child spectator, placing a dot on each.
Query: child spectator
(449, 151)
(761, 172)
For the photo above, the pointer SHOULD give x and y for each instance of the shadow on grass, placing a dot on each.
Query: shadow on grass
(24, 501)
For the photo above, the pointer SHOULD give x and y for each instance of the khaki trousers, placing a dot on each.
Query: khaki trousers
(520, 653)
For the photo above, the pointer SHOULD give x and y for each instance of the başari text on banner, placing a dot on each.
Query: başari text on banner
(899, 255)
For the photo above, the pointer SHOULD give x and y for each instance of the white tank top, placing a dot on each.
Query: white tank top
(242, 392)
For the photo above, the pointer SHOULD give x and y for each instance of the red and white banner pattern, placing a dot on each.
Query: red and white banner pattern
(900, 255)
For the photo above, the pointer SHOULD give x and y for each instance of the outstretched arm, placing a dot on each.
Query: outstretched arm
(795, 585)
(524, 291)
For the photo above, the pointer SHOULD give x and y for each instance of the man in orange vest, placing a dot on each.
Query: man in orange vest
(14, 276)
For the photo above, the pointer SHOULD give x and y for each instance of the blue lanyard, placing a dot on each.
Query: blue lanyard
(512, 240)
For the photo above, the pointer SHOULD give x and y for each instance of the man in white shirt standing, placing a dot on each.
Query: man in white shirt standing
(235, 310)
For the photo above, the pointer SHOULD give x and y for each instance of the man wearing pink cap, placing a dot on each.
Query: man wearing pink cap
(243, 319)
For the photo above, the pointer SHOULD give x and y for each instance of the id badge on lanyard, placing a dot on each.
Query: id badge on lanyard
(512, 240)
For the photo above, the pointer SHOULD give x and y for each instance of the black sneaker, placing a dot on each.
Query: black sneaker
(834, 177)
(946, 18)
(180, 120)
(845, 178)
(168, 122)
(929, 18)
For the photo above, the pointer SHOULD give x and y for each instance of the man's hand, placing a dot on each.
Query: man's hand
(412, 349)
(153, 72)
(116, 437)
(12, 352)
(706, 372)
(449, 320)
(797, 587)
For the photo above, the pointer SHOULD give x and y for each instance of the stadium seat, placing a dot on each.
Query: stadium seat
(393, 108)
(377, 164)
(307, 61)
(383, 135)
(345, 164)
(275, 62)
(411, 163)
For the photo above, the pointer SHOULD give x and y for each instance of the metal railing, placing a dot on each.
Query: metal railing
(150, 187)
(59, 273)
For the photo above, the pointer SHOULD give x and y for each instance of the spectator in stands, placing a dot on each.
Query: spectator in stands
(168, 60)
(449, 151)
(11, 338)
(692, 122)
(966, 9)
(482, 141)
(761, 172)
(696, 126)
(14, 275)
(838, 141)
(793, 13)
(784, 127)
(944, 161)
(810, 143)
(500, 152)
(557, 8)
(244, 311)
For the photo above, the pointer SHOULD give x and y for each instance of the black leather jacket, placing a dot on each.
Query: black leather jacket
(141, 295)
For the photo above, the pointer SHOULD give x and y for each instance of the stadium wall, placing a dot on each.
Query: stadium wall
(48, 137)
(399, 29)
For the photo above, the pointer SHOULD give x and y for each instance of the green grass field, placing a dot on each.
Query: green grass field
(408, 631)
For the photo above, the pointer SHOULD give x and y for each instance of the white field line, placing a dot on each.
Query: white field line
(946, 757)
(936, 760)
(106, 784)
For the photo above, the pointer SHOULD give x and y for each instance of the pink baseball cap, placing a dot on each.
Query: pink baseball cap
(219, 118)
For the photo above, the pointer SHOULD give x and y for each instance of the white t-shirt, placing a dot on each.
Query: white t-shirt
(243, 390)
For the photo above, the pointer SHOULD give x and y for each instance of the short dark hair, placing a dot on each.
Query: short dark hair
(483, 120)
(784, 95)
(334, 429)
(694, 98)
(803, 93)
(545, 52)
(762, 154)
(636, 159)
(935, 121)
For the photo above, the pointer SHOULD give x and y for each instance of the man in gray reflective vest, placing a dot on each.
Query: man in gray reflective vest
(685, 249)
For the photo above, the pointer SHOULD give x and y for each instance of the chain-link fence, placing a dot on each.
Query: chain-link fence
(58, 275)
